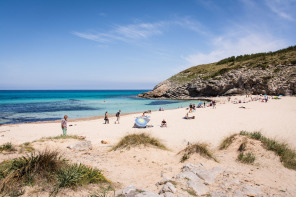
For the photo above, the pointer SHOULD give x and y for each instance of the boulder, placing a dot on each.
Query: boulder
(198, 187)
(81, 146)
(188, 175)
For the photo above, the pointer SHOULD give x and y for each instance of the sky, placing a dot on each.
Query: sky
(131, 44)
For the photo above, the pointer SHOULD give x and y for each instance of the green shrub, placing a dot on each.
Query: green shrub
(7, 147)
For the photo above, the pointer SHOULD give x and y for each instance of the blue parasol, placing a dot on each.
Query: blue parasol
(141, 121)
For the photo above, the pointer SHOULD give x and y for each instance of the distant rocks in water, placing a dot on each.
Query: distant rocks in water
(81, 146)
(161, 102)
(271, 73)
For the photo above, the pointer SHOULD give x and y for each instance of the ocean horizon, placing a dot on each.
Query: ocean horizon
(24, 106)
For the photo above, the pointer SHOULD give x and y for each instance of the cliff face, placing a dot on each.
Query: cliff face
(265, 73)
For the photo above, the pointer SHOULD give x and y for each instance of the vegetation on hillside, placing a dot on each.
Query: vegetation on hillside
(258, 60)
(287, 155)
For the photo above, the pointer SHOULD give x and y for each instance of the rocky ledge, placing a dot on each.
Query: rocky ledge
(274, 75)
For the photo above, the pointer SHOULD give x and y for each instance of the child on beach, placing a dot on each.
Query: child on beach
(64, 125)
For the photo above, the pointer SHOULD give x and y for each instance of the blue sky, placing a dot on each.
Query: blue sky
(131, 44)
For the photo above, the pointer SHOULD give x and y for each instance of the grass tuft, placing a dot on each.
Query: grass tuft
(47, 169)
(27, 146)
(138, 139)
(248, 158)
(286, 154)
(7, 147)
(227, 142)
(61, 137)
(200, 148)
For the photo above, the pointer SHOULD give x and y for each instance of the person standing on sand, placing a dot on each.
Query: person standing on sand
(64, 125)
(106, 118)
(117, 116)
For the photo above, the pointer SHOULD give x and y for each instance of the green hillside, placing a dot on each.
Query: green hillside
(260, 60)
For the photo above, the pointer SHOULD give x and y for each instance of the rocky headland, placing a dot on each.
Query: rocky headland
(272, 73)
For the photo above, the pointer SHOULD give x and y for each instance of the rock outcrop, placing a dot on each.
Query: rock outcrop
(272, 73)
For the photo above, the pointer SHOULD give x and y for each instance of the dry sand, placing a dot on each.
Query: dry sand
(144, 166)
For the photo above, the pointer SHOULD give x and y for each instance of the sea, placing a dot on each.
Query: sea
(22, 106)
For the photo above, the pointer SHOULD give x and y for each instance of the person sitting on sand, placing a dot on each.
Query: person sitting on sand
(188, 118)
(64, 125)
(143, 115)
(163, 123)
(106, 118)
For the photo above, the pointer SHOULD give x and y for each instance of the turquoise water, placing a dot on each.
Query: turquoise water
(43, 105)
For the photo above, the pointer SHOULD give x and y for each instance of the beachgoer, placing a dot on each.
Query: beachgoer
(117, 116)
(143, 115)
(160, 109)
(106, 118)
(190, 108)
(204, 104)
(163, 123)
(193, 107)
(188, 118)
(64, 125)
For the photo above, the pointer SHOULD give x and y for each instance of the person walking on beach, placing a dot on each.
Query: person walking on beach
(117, 116)
(214, 104)
(106, 118)
(64, 125)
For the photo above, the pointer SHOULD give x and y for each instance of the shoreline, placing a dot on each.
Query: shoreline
(98, 117)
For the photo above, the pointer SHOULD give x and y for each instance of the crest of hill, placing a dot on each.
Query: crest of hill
(271, 73)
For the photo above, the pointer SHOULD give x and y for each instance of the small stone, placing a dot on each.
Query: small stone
(168, 194)
(168, 187)
(163, 181)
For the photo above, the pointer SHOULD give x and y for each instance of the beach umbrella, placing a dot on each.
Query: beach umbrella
(141, 121)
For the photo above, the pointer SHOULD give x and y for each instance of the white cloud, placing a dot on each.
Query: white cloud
(139, 31)
(142, 30)
(282, 8)
(236, 44)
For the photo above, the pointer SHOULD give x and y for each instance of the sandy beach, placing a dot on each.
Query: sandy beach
(274, 119)
(144, 166)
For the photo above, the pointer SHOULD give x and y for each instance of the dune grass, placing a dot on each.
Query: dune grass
(227, 142)
(286, 154)
(8, 147)
(133, 140)
(27, 147)
(200, 148)
(247, 158)
(61, 137)
(46, 169)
